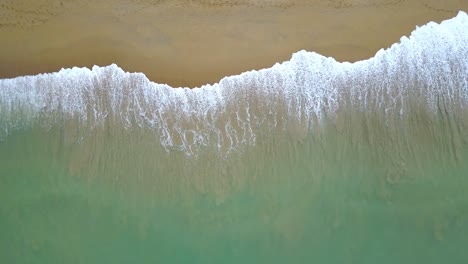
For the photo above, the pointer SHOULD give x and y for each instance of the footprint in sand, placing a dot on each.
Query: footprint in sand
(446, 6)
(27, 15)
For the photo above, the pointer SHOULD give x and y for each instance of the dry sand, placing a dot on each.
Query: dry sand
(190, 43)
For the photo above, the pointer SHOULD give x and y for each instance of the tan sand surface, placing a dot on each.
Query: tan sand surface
(190, 43)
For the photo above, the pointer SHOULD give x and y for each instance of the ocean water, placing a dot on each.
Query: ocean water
(309, 161)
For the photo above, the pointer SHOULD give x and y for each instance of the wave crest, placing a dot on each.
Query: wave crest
(428, 70)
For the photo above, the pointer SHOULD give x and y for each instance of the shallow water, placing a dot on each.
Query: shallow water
(311, 160)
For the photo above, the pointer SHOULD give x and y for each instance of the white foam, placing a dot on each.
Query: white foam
(429, 65)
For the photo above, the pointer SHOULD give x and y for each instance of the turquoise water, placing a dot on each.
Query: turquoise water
(310, 161)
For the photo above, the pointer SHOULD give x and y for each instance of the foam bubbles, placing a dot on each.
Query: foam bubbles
(428, 69)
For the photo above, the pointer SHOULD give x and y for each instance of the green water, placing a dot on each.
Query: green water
(309, 161)
(334, 196)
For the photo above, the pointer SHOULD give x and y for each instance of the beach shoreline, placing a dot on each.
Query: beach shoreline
(188, 44)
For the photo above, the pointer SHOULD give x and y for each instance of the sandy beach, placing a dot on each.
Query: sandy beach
(190, 43)
(309, 161)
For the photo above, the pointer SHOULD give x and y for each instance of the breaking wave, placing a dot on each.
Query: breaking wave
(426, 72)
(311, 159)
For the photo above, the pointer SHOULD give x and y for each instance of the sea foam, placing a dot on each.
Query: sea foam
(429, 69)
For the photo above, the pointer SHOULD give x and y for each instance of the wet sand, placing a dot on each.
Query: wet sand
(190, 43)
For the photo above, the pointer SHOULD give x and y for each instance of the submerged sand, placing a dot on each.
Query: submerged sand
(190, 43)
(311, 161)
